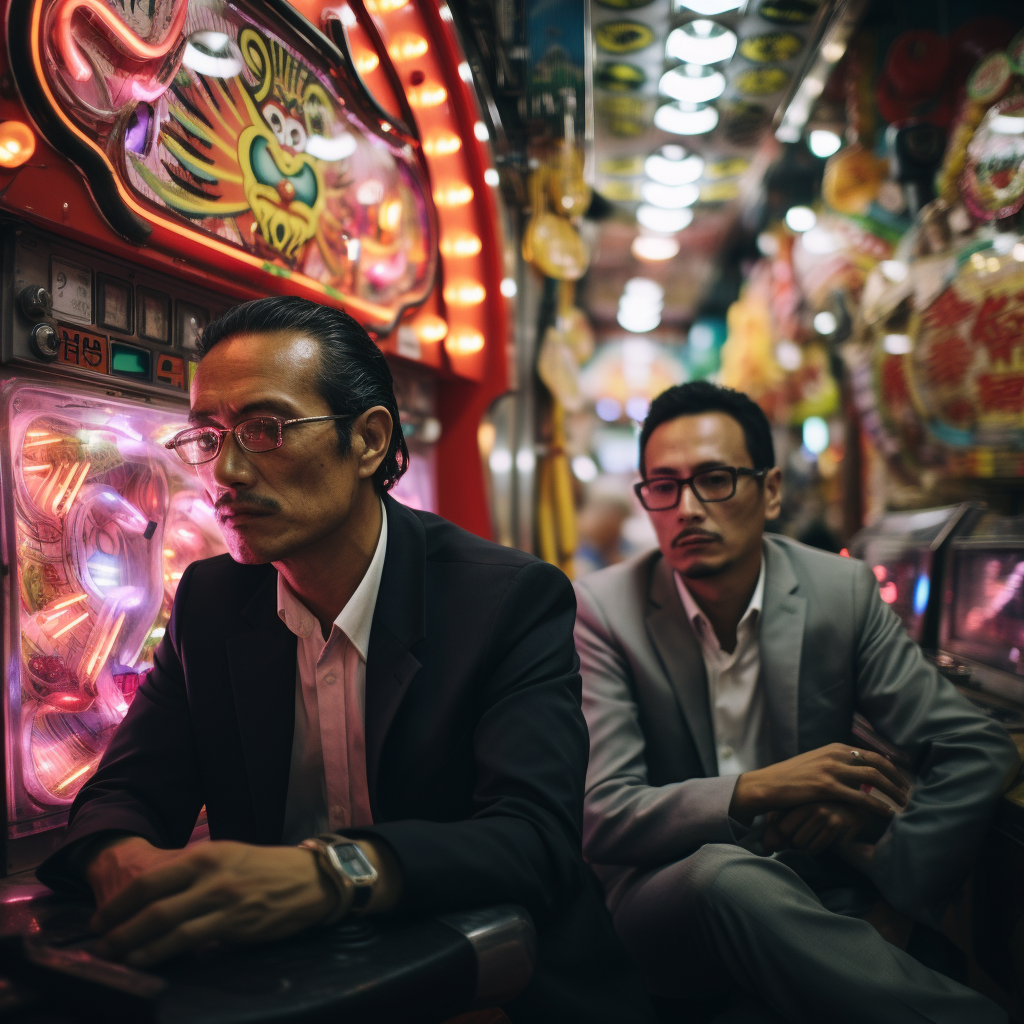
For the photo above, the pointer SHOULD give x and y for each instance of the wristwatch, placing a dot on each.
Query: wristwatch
(347, 868)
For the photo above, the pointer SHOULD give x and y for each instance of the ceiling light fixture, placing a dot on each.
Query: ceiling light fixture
(669, 197)
(667, 221)
(709, 8)
(678, 120)
(701, 42)
(644, 288)
(653, 248)
(825, 322)
(692, 83)
(667, 171)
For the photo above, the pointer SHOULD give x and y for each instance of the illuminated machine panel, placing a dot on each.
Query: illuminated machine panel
(983, 603)
(201, 124)
(902, 549)
(104, 522)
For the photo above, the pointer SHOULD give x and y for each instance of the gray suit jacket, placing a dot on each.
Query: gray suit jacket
(829, 647)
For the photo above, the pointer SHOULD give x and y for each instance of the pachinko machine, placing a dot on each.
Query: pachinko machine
(99, 520)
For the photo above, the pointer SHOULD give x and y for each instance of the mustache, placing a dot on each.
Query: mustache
(686, 535)
(243, 502)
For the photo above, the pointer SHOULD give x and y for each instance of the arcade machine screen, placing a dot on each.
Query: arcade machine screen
(984, 598)
(901, 550)
(105, 520)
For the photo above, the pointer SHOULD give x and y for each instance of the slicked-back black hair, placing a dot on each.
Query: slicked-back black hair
(702, 396)
(353, 375)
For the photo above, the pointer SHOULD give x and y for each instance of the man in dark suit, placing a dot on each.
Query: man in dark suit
(397, 696)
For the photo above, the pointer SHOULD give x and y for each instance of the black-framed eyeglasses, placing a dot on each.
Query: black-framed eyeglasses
(719, 484)
(259, 434)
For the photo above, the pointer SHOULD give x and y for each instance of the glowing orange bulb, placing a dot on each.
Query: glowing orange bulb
(429, 94)
(17, 143)
(464, 342)
(464, 292)
(366, 61)
(441, 143)
(389, 216)
(407, 46)
(460, 243)
(452, 193)
(429, 329)
(385, 6)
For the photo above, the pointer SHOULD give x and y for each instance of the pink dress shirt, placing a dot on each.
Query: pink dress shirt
(327, 789)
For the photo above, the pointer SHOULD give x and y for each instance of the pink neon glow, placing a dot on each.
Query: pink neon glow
(121, 34)
(880, 572)
(889, 592)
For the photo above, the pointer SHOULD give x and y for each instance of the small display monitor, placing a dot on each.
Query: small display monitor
(130, 361)
(154, 316)
(901, 550)
(984, 615)
(114, 298)
(988, 606)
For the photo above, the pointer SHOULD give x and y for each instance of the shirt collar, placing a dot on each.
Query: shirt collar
(698, 618)
(355, 620)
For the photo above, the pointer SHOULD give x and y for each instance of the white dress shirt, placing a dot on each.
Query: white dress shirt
(327, 788)
(735, 693)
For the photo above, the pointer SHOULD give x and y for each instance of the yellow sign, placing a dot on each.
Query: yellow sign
(623, 36)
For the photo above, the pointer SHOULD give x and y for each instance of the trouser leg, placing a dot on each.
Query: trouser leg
(724, 917)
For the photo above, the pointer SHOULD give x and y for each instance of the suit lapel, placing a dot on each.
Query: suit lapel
(681, 658)
(399, 622)
(783, 616)
(262, 664)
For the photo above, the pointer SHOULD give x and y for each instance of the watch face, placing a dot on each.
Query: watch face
(354, 863)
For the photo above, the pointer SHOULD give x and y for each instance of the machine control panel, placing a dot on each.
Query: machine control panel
(100, 318)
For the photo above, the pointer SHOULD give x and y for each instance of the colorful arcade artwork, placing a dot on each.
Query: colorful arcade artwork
(209, 122)
(105, 523)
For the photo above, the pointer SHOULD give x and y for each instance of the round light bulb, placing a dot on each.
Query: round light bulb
(674, 172)
(677, 121)
(800, 218)
(656, 219)
(823, 143)
(701, 42)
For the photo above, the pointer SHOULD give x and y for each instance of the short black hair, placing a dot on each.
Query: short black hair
(353, 375)
(702, 396)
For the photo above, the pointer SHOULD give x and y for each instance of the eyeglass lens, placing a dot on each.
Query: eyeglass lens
(713, 485)
(261, 434)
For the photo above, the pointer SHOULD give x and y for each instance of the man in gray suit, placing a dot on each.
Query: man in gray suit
(741, 835)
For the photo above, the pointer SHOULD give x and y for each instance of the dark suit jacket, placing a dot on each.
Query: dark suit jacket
(476, 746)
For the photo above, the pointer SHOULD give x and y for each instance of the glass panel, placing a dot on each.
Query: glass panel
(105, 523)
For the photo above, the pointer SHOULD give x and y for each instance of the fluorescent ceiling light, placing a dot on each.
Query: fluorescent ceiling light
(709, 8)
(665, 171)
(674, 119)
(701, 42)
(638, 322)
(800, 218)
(692, 83)
(656, 219)
(645, 288)
(823, 143)
(650, 247)
(669, 197)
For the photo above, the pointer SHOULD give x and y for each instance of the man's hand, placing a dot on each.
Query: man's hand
(225, 891)
(814, 827)
(833, 773)
(120, 861)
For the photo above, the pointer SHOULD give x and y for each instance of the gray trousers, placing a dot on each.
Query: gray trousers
(724, 918)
